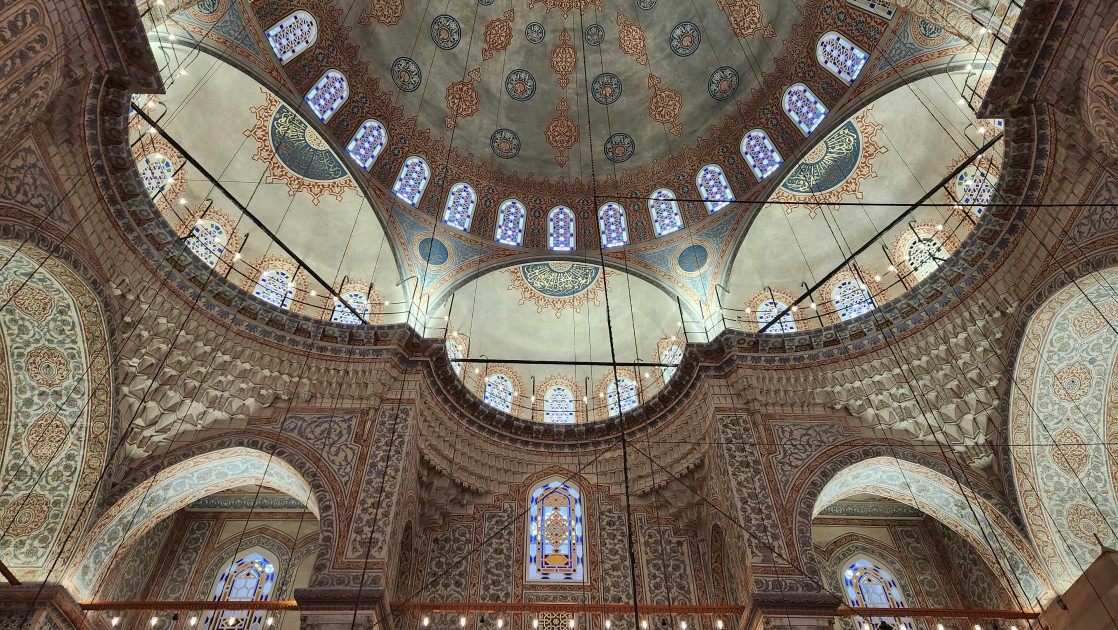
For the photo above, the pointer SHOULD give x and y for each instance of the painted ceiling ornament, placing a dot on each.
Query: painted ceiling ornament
(630, 39)
(665, 106)
(504, 143)
(723, 83)
(566, 6)
(684, 39)
(520, 85)
(561, 133)
(835, 168)
(534, 32)
(47, 366)
(462, 99)
(1071, 454)
(26, 514)
(387, 12)
(745, 18)
(606, 88)
(446, 32)
(498, 34)
(1072, 382)
(620, 147)
(564, 59)
(558, 285)
(594, 35)
(45, 438)
(406, 74)
(646, 4)
(31, 300)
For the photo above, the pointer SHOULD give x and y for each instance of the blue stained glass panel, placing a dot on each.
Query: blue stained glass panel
(328, 94)
(851, 300)
(804, 108)
(840, 56)
(275, 287)
(611, 223)
(412, 181)
(559, 405)
(760, 154)
(292, 35)
(510, 223)
(665, 212)
(499, 392)
(367, 143)
(556, 546)
(460, 203)
(561, 229)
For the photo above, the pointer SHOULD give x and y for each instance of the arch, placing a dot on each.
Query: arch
(170, 490)
(454, 351)
(412, 181)
(664, 211)
(922, 252)
(56, 385)
(974, 186)
(760, 154)
(714, 188)
(626, 400)
(328, 94)
(612, 224)
(292, 35)
(276, 287)
(840, 56)
(870, 583)
(561, 229)
(362, 296)
(555, 533)
(562, 397)
(212, 236)
(460, 204)
(804, 108)
(248, 578)
(367, 143)
(851, 299)
(207, 241)
(499, 392)
(558, 405)
(510, 223)
(360, 303)
(670, 353)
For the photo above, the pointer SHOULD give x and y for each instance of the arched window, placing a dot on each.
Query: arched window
(671, 355)
(249, 579)
(499, 392)
(665, 211)
(611, 222)
(923, 255)
(628, 398)
(275, 287)
(412, 181)
(803, 108)
(207, 240)
(840, 56)
(869, 585)
(769, 310)
(877, 7)
(851, 299)
(510, 223)
(556, 549)
(292, 35)
(974, 188)
(558, 405)
(460, 203)
(454, 351)
(714, 188)
(360, 303)
(328, 94)
(155, 171)
(760, 154)
(561, 229)
(367, 143)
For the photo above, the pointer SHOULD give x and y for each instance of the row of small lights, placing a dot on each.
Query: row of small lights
(939, 626)
(571, 623)
(193, 621)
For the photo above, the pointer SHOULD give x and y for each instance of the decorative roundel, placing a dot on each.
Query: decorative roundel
(646, 4)
(693, 258)
(406, 74)
(208, 7)
(723, 83)
(534, 32)
(620, 147)
(520, 85)
(595, 34)
(685, 38)
(928, 34)
(606, 88)
(505, 143)
(446, 32)
(433, 251)
(485, 3)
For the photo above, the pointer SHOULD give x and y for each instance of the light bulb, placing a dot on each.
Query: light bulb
(535, 623)
(270, 621)
(314, 293)
(154, 620)
(114, 621)
(718, 624)
(866, 626)
(193, 621)
(644, 624)
(892, 268)
(939, 626)
(462, 621)
(673, 337)
(182, 202)
(172, 37)
(877, 277)
(151, 129)
(981, 130)
(477, 371)
(386, 302)
(983, 30)
(646, 374)
(500, 623)
(962, 101)
(426, 621)
(939, 227)
(570, 623)
(795, 308)
(812, 306)
(232, 621)
(678, 324)
(970, 67)
(683, 625)
(608, 624)
(977, 627)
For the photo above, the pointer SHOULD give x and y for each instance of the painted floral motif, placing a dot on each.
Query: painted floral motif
(564, 59)
(1072, 382)
(32, 301)
(44, 439)
(630, 39)
(566, 6)
(387, 12)
(25, 515)
(498, 35)
(1088, 321)
(665, 106)
(47, 366)
(462, 99)
(745, 18)
(1070, 453)
(561, 133)
(1086, 524)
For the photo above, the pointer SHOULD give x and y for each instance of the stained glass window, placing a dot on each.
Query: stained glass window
(460, 203)
(249, 579)
(760, 154)
(412, 181)
(974, 188)
(328, 94)
(292, 35)
(510, 223)
(665, 211)
(924, 255)
(556, 549)
(275, 287)
(878, 7)
(358, 301)
(207, 240)
(559, 405)
(611, 222)
(367, 143)
(155, 171)
(499, 392)
(851, 300)
(840, 56)
(671, 355)
(769, 310)
(803, 108)
(454, 351)
(561, 229)
(628, 398)
(714, 188)
(869, 585)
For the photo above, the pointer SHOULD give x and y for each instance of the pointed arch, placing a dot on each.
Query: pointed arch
(851, 299)
(367, 143)
(362, 296)
(249, 578)
(555, 533)
(664, 211)
(669, 353)
(561, 229)
(760, 154)
(499, 392)
(612, 224)
(459, 209)
(212, 236)
(510, 223)
(919, 251)
(804, 108)
(559, 399)
(714, 188)
(292, 35)
(328, 94)
(559, 405)
(276, 287)
(412, 181)
(869, 583)
(840, 56)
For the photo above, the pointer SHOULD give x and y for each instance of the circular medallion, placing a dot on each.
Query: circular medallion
(208, 7)
(520, 85)
(620, 147)
(485, 3)
(406, 74)
(433, 251)
(928, 34)
(534, 32)
(26, 514)
(646, 4)
(693, 259)
(606, 88)
(300, 149)
(828, 164)
(595, 34)
(723, 83)
(47, 366)
(505, 143)
(446, 32)
(685, 38)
